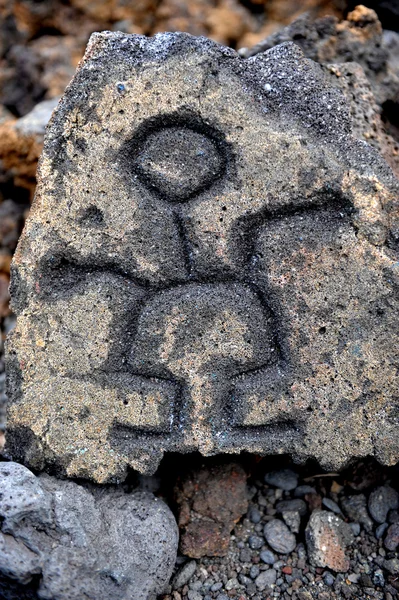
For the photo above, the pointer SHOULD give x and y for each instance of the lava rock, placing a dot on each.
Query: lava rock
(279, 537)
(355, 508)
(381, 501)
(293, 520)
(210, 501)
(327, 537)
(137, 330)
(99, 543)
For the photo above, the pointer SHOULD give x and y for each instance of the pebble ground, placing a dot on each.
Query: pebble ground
(253, 570)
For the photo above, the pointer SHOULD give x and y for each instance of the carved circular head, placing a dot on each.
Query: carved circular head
(178, 162)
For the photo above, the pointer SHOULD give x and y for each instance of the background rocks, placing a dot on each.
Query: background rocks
(355, 564)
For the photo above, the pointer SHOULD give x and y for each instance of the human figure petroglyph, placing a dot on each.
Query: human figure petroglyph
(209, 264)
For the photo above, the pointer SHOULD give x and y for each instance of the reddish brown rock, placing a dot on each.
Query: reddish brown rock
(327, 537)
(210, 500)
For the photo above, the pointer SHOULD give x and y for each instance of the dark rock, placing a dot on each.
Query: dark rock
(329, 579)
(381, 501)
(255, 542)
(331, 505)
(254, 515)
(279, 537)
(355, 508)
(268, 557)
(380, 530)
(99, 543)
(327, 537)
(184, 574)
(292, 518)
(302, 490)
(254, 571)
(392, 566)
(391, 541)
(355, 528)
(296, 505)
(393, 517)
(245, 555)
(284, 479)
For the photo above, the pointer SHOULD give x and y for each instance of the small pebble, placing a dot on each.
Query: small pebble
(255, 542)
(392, 566)
(184, 575)
(279, 537)
(254, 571)
(378, 578)
(296, 505)
(355, 528)
(302, 490)
(268, 557)
(331, 505)
(254, 515)
(329, 579)
(245, 555)
(194, 595)
(285, 479)
(292, 520)
(266, 579)
(391, 541)
(381, 529)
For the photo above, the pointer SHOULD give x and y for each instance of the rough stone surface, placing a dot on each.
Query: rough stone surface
(210, 501)
(237, 292)
(327, 537)
(355, 507)
(361, 60)
(83, 543)
(381, 501)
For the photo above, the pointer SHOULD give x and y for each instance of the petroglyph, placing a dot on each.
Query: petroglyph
(210, 264)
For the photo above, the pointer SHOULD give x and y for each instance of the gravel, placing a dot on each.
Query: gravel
(372, 570)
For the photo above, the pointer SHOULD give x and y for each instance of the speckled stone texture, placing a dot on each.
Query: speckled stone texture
(72, 542)
(211, 263)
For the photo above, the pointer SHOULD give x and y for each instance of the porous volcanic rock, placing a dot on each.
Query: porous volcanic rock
(210, 502)
(327, 537)
(210, 264)
(82, 543)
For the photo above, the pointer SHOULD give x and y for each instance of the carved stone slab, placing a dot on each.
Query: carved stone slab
(210, 264)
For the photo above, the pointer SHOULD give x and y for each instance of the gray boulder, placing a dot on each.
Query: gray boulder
(83, 542)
